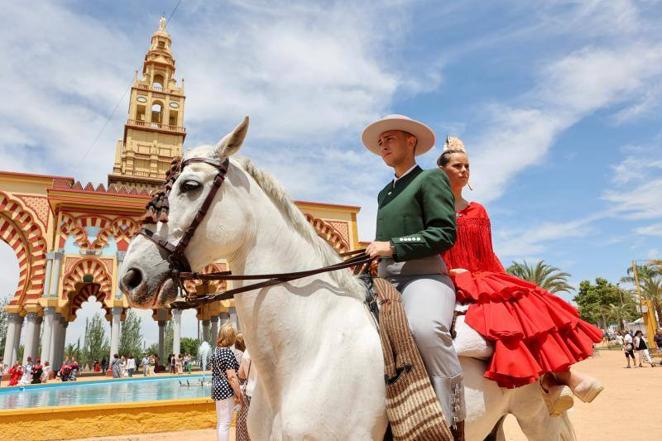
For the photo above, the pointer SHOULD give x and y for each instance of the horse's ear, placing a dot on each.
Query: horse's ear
(231, 143)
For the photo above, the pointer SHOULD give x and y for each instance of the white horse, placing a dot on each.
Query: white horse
(312, 340)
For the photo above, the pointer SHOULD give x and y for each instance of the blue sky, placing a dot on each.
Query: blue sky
(558, 103)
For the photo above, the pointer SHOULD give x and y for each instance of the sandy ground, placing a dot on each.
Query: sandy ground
(628, 408)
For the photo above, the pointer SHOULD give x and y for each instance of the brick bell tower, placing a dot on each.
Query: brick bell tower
(154, 132)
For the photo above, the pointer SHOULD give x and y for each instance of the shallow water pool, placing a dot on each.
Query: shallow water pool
(105, 391)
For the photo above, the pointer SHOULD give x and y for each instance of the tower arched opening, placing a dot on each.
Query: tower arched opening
(157, 112)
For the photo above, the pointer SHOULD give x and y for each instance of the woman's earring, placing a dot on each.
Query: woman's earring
(469, 185)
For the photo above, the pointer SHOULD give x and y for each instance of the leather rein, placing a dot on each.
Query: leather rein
(180, 268)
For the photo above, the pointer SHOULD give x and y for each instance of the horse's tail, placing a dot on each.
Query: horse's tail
(567, 431)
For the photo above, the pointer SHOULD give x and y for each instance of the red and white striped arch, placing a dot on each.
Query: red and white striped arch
(74, 278)
(70, 226)
(329, 234)
(86, 291)
(20, 231)
(122, 229)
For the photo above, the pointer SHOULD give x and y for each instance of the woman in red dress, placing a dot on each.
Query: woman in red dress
(536, 335)
(15, 374)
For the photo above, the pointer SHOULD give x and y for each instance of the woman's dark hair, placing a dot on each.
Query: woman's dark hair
(445, 157)
(239, 343)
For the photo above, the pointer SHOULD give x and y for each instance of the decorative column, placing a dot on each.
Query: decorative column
(13, 336)
(162, 326)
(47, 275)
(59, 341)
(30, 328)
(120, 258)
(177, 333)
(205, 332)
(234, 319)
(47, 335)
(55, 338)
(214, 330)
(55, 273)
(115, 332)
(223, 318)
(35, 338)
(63, 338)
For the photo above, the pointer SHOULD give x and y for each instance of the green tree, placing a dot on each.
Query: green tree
(152, 349)
(604, 303)
(95, 343)
(73, 350)
(131, 340)
(190, 345)
(543, 275)
(650, 284)
(3, 324)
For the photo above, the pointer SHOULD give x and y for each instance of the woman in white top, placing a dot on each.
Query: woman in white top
(248, 376)
(641, 347)
(131, 365)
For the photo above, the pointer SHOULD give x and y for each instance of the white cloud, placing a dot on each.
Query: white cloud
(569, 89)
(61, 76)
(524, 243)
(645, 106)
(636, 168)
(640, 202)
(650, 230)
(303, 72)
(637, 189)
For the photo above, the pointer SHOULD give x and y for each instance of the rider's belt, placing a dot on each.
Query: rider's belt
(432, 265)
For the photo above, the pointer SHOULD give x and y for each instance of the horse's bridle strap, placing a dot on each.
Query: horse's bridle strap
(176, 256)
(272, 279)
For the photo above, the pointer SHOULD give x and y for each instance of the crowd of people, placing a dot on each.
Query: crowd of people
(36, 372)
(635, 346)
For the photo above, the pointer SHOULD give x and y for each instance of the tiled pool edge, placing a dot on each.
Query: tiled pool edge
(10, 389)
(84, 421)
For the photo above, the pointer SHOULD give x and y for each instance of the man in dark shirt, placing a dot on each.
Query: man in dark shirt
(658, 341)
(415, 223)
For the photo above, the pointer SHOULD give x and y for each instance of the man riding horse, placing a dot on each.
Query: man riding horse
(415, 223)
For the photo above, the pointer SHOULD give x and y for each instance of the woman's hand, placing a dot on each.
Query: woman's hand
(456, 271)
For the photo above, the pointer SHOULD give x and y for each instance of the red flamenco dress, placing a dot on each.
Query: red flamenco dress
(15, 374)
(533, 331)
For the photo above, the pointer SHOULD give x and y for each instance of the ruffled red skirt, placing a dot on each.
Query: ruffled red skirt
(533, 331)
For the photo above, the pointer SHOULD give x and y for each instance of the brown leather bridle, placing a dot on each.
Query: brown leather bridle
(176, 257)
(180, 268)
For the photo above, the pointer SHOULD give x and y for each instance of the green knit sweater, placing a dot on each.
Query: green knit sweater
(417, 214)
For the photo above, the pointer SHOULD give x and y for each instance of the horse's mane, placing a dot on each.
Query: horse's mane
(291, 212)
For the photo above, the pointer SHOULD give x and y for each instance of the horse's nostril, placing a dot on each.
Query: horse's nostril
(132, 279)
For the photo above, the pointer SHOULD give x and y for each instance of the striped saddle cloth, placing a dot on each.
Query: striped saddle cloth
(413, 411)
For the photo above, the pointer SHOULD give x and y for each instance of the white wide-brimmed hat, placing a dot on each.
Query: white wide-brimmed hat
(424, 135)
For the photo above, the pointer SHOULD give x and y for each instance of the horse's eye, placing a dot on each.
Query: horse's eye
(189, 185)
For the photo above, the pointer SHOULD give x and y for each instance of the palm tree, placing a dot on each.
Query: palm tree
(543, 275)
(651, 289)
(650, 284)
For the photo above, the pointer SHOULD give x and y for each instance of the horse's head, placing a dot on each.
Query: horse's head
(145, 276)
